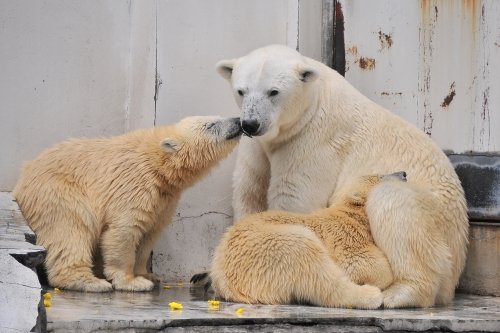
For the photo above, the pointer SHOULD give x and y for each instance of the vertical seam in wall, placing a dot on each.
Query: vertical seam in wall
(298, 26)
(327, 9)
(129, 72)
(157, 81)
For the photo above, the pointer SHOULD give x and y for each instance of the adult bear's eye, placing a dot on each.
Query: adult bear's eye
(240, 92)
(273, 92)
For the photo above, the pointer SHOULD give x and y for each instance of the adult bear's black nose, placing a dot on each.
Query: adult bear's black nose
(250, 126)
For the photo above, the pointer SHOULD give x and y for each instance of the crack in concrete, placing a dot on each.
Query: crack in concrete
(181, 218)
(20, 284)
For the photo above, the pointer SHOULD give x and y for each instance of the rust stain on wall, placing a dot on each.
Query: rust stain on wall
(447, 100)
(385, 40)
(429, 14)
(364, 63)
(471, 7)
(353, 50)
(367, 63)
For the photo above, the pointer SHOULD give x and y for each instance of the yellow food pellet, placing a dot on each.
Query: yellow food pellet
(166, 287)
(240, 311)
(47, 296)
(213, 304)
(57, 290)
(180, 284)
(175, 306)
(47, 303)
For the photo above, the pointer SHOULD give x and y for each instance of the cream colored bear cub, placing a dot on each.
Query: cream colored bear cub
(113, 196)
(280, 257)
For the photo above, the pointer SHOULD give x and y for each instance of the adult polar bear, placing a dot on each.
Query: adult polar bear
(314, 133)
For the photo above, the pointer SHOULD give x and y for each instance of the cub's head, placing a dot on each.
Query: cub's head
(195, 144)
(272, 86)
(356, 192)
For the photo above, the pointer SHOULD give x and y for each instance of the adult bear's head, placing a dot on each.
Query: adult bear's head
(272, 86)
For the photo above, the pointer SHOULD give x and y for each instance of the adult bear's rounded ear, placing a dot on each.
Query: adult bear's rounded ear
(306, 73)
(170, 145)
(225, 68)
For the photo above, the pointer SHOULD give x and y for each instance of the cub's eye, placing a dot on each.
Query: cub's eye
(273, 92)
(240, 92)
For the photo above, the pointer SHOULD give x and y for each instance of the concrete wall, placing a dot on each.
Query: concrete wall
(64, 72)
(74, 68)
(190, 85)
(78, 68)
(482, 271)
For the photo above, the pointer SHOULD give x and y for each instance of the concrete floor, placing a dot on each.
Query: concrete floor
(150, 312)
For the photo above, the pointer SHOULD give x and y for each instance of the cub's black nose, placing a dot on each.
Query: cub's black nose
(250, 127)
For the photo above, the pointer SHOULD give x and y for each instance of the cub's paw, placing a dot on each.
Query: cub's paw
(88, 284)
(151, 277)
(134, 284)
(199, 278)
(371, 298)
(203, 278)
(97, 286)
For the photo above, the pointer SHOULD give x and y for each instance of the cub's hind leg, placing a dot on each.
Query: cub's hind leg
(70, 248)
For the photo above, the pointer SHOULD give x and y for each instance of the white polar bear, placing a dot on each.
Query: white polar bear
(314, 133)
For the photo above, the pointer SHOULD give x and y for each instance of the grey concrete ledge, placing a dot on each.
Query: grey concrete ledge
(480, 177)
(149, 312)
(19, 286)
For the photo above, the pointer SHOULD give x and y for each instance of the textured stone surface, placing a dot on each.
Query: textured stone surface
(481, 275)
(19, 296)
(19, 286)
(149, 312)
(480, 177)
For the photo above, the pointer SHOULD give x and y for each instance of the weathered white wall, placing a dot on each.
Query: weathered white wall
(72, 68)
(63, 70)
(435, 63)
(77, 68)
(190, 85)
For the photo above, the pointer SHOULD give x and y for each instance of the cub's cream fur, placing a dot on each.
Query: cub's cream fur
(313, 133)
(113, 196)
(281, 257)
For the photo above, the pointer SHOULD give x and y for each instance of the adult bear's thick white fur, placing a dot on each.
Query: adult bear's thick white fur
(314, 133)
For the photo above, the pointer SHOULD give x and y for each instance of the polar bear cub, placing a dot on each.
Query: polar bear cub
(114, 196)
(279, 257)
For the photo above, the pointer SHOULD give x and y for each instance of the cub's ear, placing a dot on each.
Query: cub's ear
(307, 73)
(356, 199)
(170, 145)
(225, 68)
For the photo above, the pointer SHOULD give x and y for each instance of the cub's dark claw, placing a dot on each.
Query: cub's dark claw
(199, 277)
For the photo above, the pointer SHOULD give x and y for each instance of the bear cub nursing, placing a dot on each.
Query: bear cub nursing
(279, 257)
(113, 196)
